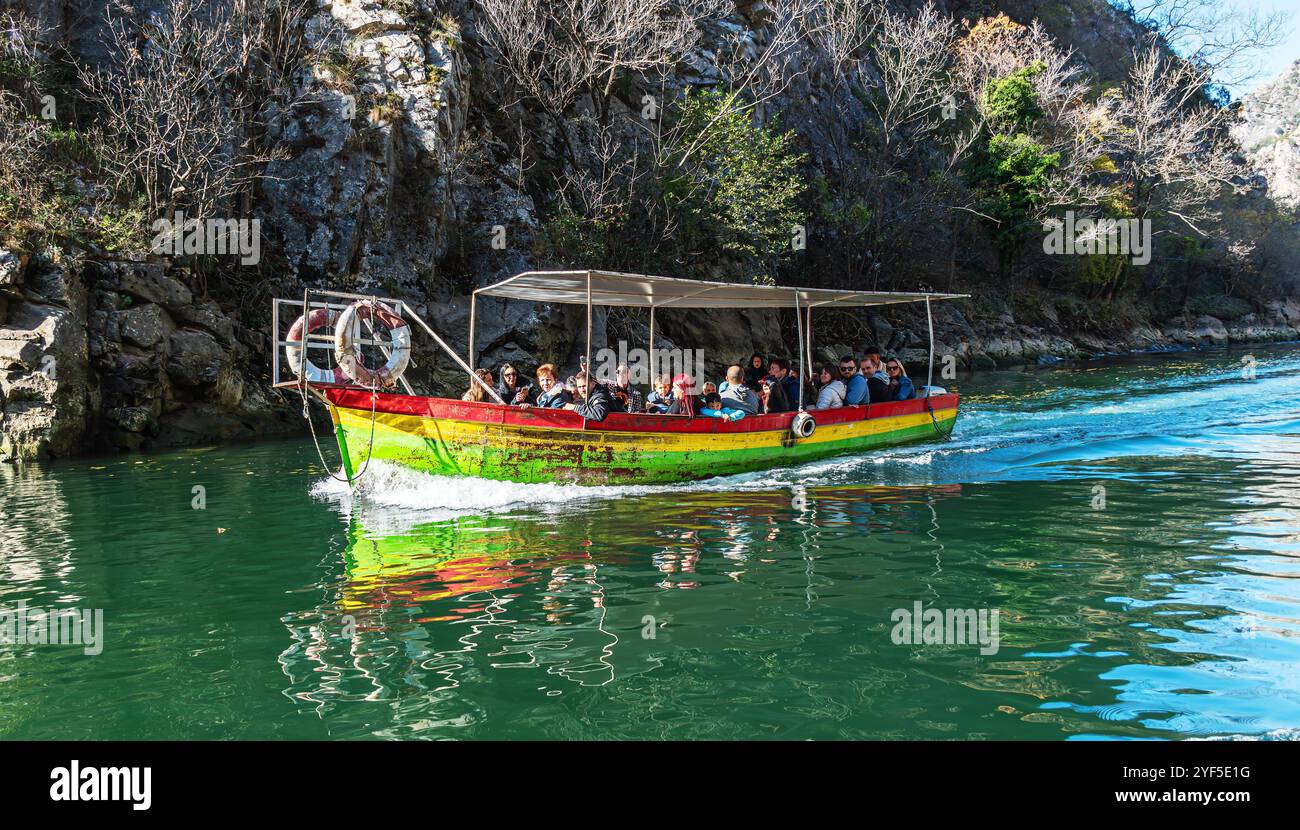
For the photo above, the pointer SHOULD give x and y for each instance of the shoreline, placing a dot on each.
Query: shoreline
(296, 431)
(111, 357)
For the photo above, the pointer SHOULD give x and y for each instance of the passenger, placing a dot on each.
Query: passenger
(771, 396)
(754, 371)
(877, 380)
(878, 359)
(476, 392)
(511, 390)
(662, 398)
(554, 395)
(830, 394)
(592, 403)
(789, 383)
(900, 385)
(624, 392)
(683, 396)
(855, 385)
(714, 408)
(710, 388)
(736, 394)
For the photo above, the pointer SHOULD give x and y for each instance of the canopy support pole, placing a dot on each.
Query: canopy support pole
(473, 378)
(473, 303)
(929, 374)
(654, 376)
(811, 354)
(587, 363)
(798, 322)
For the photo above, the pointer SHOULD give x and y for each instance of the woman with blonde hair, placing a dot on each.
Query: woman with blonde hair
(476, 392)
(900, 385)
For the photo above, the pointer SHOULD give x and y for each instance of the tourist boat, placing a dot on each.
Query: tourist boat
(374, 420)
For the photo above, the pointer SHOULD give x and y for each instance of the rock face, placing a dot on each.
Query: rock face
(118, 355)
(362, 197)
(1270, 133)
(44, 396)
(399, 164)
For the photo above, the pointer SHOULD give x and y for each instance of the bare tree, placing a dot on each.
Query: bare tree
(180, 100)
(759, 67)
(898, 66)
(1072, 126)
(911, 55)
(755, 70)
(1215, 36)
(605, 191)
(555, 50)
(841, 30)
(1174, 156)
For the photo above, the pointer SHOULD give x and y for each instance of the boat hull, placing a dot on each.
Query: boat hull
(457, 438)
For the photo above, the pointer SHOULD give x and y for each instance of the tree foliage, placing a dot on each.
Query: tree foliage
(740, 188)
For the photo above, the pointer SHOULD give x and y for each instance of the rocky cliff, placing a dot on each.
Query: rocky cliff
(402, 159)
(103, 357)
(1269, 132)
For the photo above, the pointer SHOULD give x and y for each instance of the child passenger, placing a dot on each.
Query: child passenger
(659, 401)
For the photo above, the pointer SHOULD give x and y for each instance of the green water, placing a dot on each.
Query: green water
(437, 608)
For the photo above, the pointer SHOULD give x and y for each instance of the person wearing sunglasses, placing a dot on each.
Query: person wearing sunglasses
(511, 390)
(900, 385)
(855, 384)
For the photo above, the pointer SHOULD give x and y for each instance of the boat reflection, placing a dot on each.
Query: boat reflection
(432, 604)
(429, 562)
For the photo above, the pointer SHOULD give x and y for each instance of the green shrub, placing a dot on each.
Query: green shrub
(569, 239)
(736, 184)
(1011, 102)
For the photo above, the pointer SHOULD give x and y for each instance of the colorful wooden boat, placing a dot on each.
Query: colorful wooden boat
(488, 440)
(495, 441)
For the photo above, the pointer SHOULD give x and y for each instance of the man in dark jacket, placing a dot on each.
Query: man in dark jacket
(624, 392)
(877, 381)
(789, 381)
(591, 403)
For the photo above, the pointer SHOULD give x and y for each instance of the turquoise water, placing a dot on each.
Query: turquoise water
(1165, 605)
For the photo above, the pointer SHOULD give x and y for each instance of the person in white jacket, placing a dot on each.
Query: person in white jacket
(830, 389)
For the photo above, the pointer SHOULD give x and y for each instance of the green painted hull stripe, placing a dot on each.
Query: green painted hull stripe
(604, 465)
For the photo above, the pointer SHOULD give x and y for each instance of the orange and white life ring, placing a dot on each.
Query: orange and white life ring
(347, 345)
(321, 318)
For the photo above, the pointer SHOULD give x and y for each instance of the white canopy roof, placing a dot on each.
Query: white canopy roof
(609, 288)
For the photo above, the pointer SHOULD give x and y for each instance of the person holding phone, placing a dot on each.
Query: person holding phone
(513, 390)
